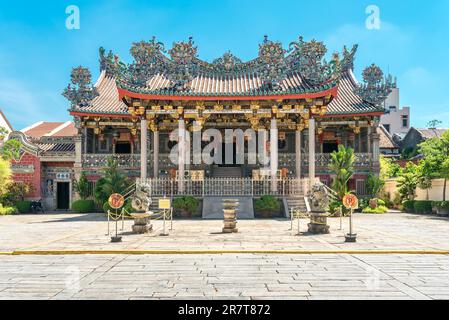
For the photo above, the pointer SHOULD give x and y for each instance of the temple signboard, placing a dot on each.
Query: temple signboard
(22, 168)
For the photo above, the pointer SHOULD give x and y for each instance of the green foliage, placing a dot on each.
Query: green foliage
(409, 153)
(5, 175)
(82, 187)
(374, 185)
(268, 204)
(434, 124)
(9, 149)
(342, 164)
(113, 182)
(408, 181)
(423, 207)
(16, 191)
(83, 206)
(187, 205)
(408, 206)
(388, 168)
(5, 211)
(436, 158)
(24, 206)
(378, 210)
(334, 207)
(441, 205)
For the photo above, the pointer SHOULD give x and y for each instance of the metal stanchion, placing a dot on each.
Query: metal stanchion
(164, 234)
(299, 227)
(351, 236)
(109, 232)
(341, 218)
(291, 219)
(171, 219)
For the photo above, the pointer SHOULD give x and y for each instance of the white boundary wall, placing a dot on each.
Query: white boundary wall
(434, 194)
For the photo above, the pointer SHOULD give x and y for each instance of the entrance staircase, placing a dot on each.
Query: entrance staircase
(295, 203)
(227, 172)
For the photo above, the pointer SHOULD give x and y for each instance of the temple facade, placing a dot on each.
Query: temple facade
(300, 107)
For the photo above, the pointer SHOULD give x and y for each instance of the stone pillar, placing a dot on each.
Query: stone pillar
(155, 153)
(312, 150)
(375, 137)
(182, 152)
(298, 153)
(78, 165)
(143, 148)
(368, 135)
(274, 158)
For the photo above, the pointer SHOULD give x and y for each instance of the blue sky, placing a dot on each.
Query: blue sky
(37, 52)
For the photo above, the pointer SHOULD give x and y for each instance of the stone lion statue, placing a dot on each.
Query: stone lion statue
(141, 201)
(319, 198)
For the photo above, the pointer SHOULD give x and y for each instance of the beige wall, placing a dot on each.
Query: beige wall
(433, 194)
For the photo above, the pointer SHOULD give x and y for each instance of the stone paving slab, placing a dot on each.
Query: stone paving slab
(343, 277)
(89, 232)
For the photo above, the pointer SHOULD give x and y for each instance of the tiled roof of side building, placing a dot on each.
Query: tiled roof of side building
(50, 129)
(385, 139)
(432, 133)
(56, 147)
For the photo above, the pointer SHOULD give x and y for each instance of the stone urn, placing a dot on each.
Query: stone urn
(230, 215)
(142, 222)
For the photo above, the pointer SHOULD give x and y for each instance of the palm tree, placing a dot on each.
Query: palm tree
(113, 182)
(342, 164)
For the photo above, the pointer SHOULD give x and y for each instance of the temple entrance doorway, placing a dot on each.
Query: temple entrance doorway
(63, 196)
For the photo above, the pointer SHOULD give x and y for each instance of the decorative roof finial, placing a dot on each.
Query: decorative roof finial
(375, 88)
(82, 92)
(348, 57)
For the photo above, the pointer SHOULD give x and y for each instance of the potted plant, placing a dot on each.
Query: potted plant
(268, 206)
(186, 206)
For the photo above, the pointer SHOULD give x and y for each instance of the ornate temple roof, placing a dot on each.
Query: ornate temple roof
(298, 73)
(347, 100)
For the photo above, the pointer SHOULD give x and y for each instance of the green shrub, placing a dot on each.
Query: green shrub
(378, 210)
(5, 211)
(441, 205)
(23, 206)
(268, 206)
(381, 202)
(408, 206)
(334, 207)
(187, 206)
(84, 206)
(423, 207)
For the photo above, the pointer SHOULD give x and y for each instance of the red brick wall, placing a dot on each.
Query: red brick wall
(32, 178)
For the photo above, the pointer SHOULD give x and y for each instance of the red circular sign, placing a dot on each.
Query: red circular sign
(116, 201)
(350, 201)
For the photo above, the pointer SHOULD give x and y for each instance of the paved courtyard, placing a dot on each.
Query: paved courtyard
(76, 232)
(290, 268)
(230, 276)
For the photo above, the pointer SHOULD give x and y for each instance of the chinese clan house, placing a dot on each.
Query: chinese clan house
(305, 107)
